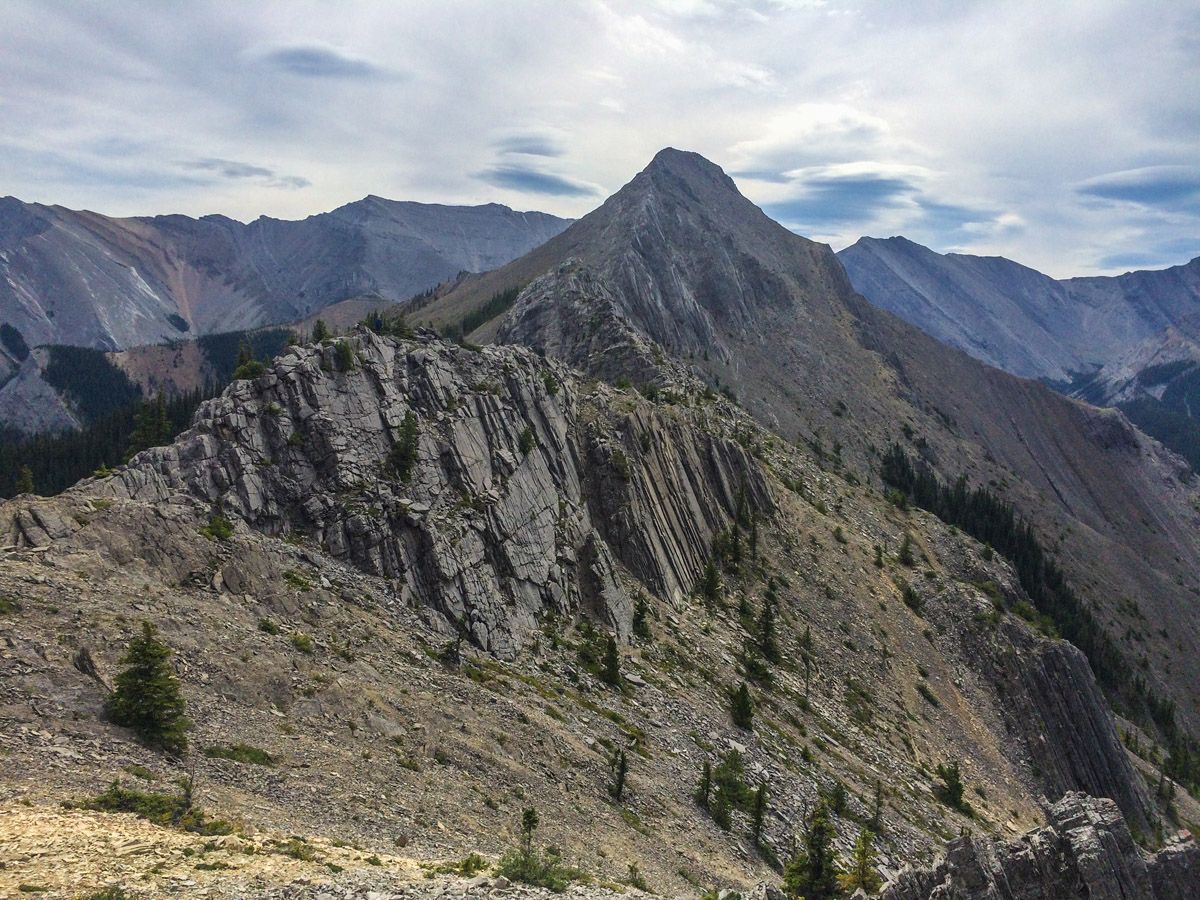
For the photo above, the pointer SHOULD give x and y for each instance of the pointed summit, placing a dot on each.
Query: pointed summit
(689, 166)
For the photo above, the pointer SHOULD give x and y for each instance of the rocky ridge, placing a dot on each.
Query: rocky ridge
(496, 524)
(1084, 851)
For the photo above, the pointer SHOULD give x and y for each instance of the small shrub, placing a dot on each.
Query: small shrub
(343, 356)
(534, 867)
(9, 605)
(303, 643)
(218, 528)
(241, 753)
(296, 848)
(268, 626)
(172, 810)
(527, 441)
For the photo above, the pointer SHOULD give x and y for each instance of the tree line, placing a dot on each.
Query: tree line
(994, 522)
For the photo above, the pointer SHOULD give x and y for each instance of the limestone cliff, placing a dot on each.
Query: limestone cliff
(521, 500)
(1085, 851)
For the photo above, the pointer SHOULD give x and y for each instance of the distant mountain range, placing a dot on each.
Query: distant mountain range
(1131, 341)
(83, 279)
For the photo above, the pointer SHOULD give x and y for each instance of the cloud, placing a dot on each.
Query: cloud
(835, 200)
(320, 61)
(227, 168)
(1169, 187)
(529, 180)
(532, 142)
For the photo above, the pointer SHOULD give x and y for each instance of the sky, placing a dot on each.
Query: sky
(1064, 134)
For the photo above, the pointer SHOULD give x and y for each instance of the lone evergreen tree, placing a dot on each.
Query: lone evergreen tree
(529, 824)
(806, 656)
(620, 766)
(147, 696)
(25, 480)
(403, 455)
(320, 331)
(758, 813)
(813, 872)
(906, 551)
(861, 873)
(741, 707)
(611, 674)
(710, 584)
(876, 824)
(950, 791)
(641, 619)
(767, 642)
(704, 789)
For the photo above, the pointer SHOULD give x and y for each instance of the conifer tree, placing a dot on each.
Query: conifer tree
(620, 766)
(704, 789)
(876, 824)
(741, 707)
(320, 331)
(641, 619)
(861, 871)
(710, 584)
(813, 872)
(611, 674)
(806, 657)
(758, 813)
(403, 455)
(147, 696)
(25, 480)
(767, 643)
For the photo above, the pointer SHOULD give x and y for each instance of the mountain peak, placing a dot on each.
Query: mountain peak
(688, 167)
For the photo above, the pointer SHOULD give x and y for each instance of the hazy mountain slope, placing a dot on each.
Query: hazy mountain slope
(1129, 341)
(1017, 319)
(681, 257)
(80, 278)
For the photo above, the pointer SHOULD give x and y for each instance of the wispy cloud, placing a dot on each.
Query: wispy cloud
(226, 168)
(1164, 186)
(320, 61)
(531, 180)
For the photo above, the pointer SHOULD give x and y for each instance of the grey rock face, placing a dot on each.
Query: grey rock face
(572, 315)
(1017, 319)
(80, 278)
(526, 498)
(1085, 851)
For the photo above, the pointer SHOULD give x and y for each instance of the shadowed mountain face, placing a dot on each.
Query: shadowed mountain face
(1129, 341)
(80, 278)
(1018, 319)
(679, 257)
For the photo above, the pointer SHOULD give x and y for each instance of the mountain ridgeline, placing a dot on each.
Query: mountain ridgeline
(1131, 341)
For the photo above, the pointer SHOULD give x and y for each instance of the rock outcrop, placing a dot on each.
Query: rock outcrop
(1085, 851)
(524, 499)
